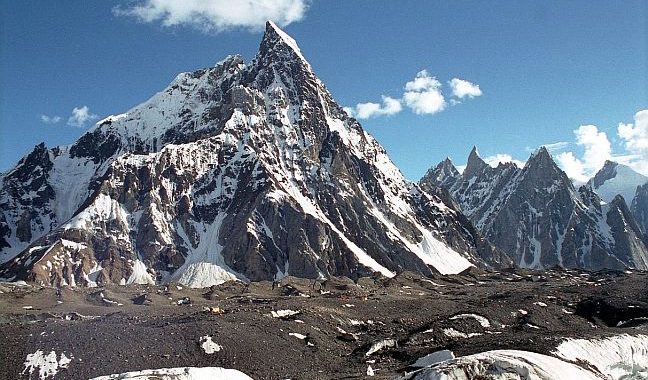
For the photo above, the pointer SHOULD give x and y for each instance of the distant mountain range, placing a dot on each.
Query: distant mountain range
(537, 216)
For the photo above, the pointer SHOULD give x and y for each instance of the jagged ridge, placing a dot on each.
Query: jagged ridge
(536, 215)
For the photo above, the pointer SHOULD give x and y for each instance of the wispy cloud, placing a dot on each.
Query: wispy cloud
(80, 116)
(50, 119)
(462, 88)
(216, 15)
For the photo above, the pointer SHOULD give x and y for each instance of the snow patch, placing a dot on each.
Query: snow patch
(283, 313)
(453, 333)
(297, 335)
(205, 265)
(385, 343)
(45, 365)
(187, 373)
(483, 321)
(208, 345)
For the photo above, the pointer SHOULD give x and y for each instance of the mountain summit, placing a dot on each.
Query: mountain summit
(616, 179)
(234, 172)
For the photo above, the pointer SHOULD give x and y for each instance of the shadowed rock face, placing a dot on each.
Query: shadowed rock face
(535, 215)
(639, 207)
(607, 172)
(248, 172)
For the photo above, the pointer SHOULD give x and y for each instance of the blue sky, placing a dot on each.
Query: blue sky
(544, 69)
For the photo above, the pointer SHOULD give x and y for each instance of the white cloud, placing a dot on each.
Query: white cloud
(422, 82)
(635, 140)
(216, 15)
(80, 115)
(423, 94)
(462, 88)
(597, 146)
(50, 119)
(597, 149)
(502, 158)
(572, 166)
(390, 106)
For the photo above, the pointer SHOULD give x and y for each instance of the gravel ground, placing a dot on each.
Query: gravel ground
(127, 328)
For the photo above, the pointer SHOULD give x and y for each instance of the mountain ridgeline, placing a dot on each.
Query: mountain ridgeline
(537, 216)
(235, 172)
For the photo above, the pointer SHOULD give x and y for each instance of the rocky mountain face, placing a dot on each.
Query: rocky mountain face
(443, 175)
(639, 207)
(248, 172)
(616, 179)
(535, 215)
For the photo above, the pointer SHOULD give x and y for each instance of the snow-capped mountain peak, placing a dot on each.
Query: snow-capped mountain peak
(234, 172)
(276, 39)
(614, 179)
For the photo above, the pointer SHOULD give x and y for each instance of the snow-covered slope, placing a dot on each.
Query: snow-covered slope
(616, 179)
(536, 216)
(248, 172)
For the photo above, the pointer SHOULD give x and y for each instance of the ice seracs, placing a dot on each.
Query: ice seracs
(614, 358)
